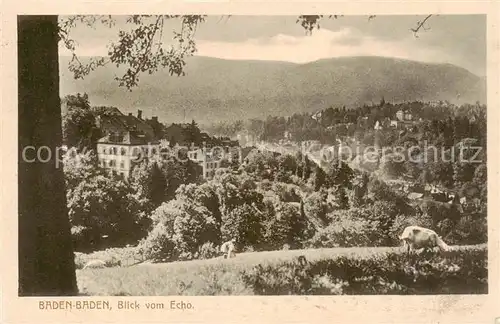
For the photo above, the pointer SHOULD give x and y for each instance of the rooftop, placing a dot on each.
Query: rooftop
(115, 120)
(128, 138)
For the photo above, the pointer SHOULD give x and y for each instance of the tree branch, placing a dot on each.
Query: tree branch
(143, 59)
(420, 25)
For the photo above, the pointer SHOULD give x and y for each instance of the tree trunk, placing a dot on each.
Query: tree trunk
(46, 261)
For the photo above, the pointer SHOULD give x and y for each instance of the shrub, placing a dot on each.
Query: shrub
(458, 272)
(112, 257)
(243, 223)
(286, 192)
(440, 211)
(287, 225)
(381, 215)
(370, 226)
(192, 228)
(315, 207)
(208, 251)
(344, 232)
(107, 209)
(470, 229)
(159, 245)
(181, 227)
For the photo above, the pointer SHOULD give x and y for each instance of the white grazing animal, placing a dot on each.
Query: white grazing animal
(416, 237)
(228, 249)
(95, 264)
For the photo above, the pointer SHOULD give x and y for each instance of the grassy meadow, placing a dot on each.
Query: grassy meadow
(274, 271)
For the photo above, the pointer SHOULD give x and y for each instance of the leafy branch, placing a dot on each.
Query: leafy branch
(140, 49)
(420, 25)
(311, 22)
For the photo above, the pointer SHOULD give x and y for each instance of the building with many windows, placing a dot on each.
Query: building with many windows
(118, 152)
(210, 159)
(128, 140)
(206, 158)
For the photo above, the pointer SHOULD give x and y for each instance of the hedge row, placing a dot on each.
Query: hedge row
(461, 271)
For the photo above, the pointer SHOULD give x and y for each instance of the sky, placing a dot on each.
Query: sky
(455, 39)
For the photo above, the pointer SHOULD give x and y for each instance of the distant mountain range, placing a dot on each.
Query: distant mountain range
(216, 89)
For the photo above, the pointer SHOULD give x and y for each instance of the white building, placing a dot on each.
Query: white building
(211, 159)
(400, 115)
(119, 152)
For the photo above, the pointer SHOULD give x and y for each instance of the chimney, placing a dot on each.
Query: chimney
(130, 114)
(139, 114)
(155, 119)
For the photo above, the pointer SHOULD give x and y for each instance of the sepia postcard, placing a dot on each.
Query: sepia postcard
(189, 162)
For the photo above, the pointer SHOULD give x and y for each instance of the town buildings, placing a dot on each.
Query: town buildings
(129, 140)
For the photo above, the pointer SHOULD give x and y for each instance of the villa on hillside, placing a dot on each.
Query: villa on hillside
(208, 162)
(118, 152)
(404, 119)
(126, 139)
(211, 159)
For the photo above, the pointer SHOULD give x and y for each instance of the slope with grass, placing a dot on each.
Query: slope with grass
(385, 270)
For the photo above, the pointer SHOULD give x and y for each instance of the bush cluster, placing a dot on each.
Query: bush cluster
(458, 272)
(112, 257)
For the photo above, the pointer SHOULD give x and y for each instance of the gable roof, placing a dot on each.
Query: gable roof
(128, 138)
(110, 111)
(126, 123)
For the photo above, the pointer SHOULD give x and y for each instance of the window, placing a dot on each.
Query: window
(122, 164)
(123, 151)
